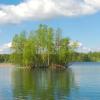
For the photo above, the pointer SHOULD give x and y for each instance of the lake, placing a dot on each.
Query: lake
(81, 81)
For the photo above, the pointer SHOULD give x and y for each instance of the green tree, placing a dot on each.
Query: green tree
(45, 46)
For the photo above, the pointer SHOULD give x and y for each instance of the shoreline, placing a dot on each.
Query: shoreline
(6, 65)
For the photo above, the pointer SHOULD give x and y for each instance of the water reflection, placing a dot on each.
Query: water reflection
(87, 80)
(5, 84)
(41, 84)
(82, 82)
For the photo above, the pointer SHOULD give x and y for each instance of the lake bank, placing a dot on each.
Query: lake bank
(6, 65)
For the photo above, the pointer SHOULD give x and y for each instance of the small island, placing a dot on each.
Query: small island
(45, 48)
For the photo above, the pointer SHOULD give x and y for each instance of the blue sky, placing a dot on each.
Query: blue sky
(10, 1)
(80, 23)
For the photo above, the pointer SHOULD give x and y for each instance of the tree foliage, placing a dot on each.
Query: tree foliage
(4, 58)
(44, 46)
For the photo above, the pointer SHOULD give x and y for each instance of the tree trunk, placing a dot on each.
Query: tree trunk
(48, 59)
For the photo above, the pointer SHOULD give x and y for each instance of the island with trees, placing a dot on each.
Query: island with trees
(45, 47)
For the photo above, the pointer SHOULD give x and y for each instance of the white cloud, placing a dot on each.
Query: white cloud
(7, 45)
(44, 9)
(79, 44)
(5, 48)
(1, 50)
(82, 48)
(86, 49)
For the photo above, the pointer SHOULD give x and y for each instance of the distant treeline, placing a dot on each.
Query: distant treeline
(86, 57)
(75, 57)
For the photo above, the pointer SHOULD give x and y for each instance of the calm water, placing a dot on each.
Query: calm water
(79, 82)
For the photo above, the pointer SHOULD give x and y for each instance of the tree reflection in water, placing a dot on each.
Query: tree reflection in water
(42, 84)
